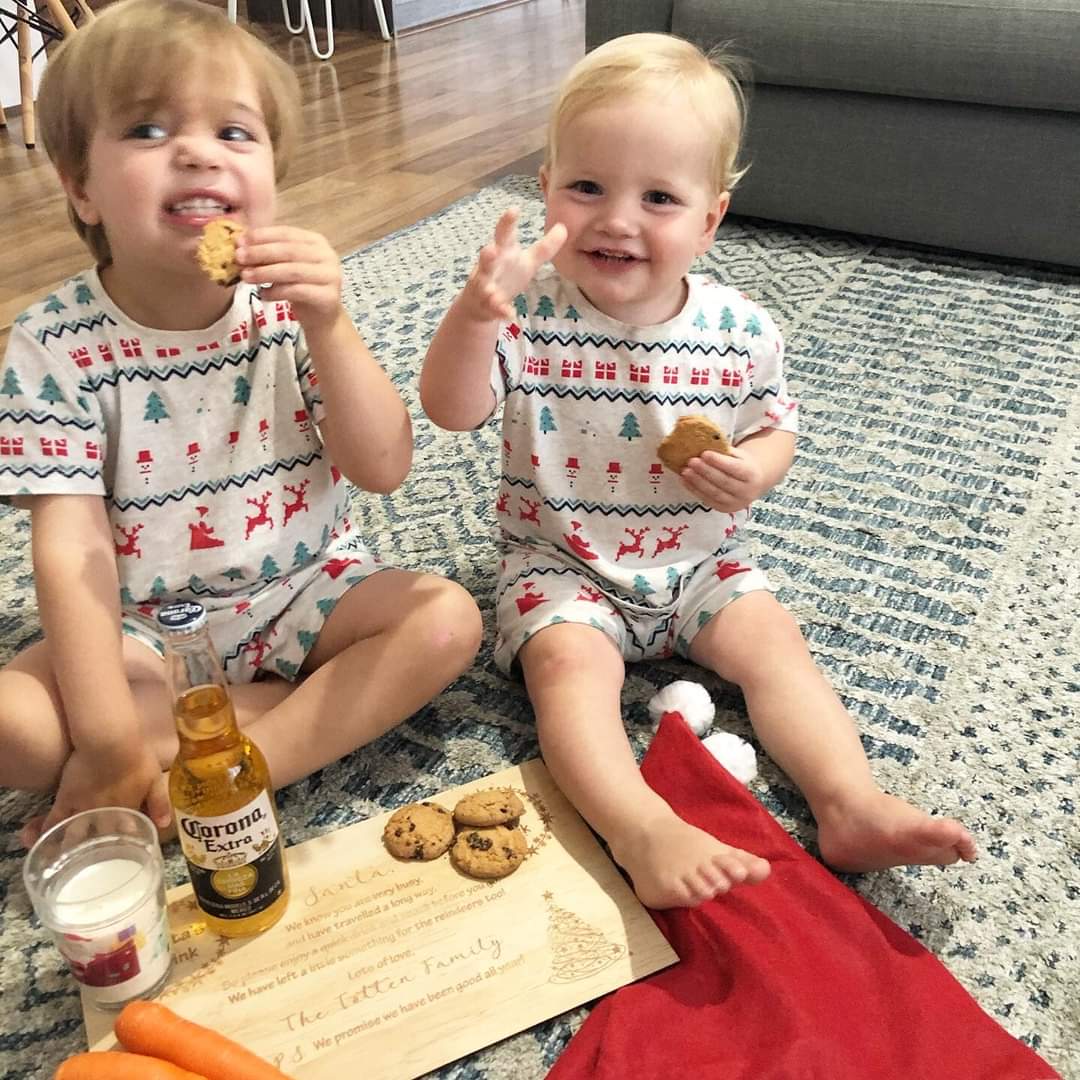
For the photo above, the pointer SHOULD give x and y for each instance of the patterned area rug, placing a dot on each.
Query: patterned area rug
(926, 539)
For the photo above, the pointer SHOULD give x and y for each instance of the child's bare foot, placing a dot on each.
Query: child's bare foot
(674, 864)
(879, 830)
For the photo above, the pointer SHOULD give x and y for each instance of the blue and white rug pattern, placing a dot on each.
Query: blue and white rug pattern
(926, 539)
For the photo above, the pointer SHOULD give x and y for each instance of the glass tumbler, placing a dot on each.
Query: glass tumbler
(97, 883)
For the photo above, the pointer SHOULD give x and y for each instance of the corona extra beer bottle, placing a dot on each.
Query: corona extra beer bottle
(220, 788)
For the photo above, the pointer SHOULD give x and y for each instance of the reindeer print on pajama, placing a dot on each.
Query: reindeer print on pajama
(591, 527)
(215, 479)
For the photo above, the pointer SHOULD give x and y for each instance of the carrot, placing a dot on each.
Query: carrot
(112, 1065)
(148, 1027)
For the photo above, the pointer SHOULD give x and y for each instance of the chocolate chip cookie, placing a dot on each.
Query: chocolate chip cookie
(493, 806)
(690, 438)
(489, 853)
(217, 250)
(421, 831)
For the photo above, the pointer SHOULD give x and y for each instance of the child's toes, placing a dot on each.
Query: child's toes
(736, 871)
(741, 866)
(966, 846)
(757, 869)
(715, 881)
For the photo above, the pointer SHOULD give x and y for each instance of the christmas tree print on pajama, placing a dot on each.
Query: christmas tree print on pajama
(218, 486)
(574, 385)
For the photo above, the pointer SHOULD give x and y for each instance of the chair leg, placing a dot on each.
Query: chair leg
(380, 14)
(232, 10)
(26, 79)
(306, 22)
(299, 28)
(85, 10)
(60, 16)
(329, 50)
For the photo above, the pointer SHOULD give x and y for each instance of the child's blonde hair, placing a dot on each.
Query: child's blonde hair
(140, 50)
(635, 64)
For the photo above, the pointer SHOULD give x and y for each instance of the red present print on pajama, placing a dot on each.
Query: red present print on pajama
(53, 447)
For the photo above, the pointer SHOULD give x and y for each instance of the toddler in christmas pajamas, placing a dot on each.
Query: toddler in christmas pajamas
(175, 437)
(592, 362)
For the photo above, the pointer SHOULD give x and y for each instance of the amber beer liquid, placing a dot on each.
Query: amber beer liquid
(220, 789)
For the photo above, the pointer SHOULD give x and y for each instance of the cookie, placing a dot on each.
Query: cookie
(494, 806)
(217, 250)
(489, 853)
(419, 831)
(690, 438)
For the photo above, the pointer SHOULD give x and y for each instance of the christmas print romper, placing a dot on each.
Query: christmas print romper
(592, 528)
(205, 448)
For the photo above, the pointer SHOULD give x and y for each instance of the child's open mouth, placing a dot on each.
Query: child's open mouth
(611, 260)
(197, 211)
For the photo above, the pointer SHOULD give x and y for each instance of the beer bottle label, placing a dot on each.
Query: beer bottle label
(235, 860)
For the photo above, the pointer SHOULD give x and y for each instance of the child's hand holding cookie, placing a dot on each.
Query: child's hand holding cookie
(504, 268)
(302, 267)
(726, 482)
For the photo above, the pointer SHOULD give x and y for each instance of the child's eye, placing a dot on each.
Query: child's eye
(585, 187)
(146, 130)
(235, 133)
(660, 198)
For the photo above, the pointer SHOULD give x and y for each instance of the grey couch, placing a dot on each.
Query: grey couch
(946, 122)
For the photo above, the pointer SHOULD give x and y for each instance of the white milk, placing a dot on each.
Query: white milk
(110, 922)
(101, 891)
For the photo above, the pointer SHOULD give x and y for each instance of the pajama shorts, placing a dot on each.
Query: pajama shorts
(540, 588)
(272, 627)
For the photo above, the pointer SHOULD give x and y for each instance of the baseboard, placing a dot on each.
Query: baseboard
(484, 8)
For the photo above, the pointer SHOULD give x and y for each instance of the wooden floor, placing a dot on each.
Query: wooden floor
(393, 132)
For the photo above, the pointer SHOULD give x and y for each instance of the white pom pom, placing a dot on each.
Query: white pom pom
(689, 698)
(735, 754)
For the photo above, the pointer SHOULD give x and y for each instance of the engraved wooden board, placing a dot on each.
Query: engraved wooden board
(401, 967)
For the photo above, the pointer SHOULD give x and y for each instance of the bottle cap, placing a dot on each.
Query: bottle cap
(181, 617)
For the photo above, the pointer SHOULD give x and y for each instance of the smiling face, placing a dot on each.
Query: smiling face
(157, 171)
(631, 181)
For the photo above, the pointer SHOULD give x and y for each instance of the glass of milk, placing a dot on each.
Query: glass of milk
(97, 883)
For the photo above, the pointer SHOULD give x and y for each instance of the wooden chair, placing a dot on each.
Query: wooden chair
(18, 18)
(63, 20)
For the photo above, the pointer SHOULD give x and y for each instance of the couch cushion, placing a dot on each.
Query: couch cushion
(1021, 53)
